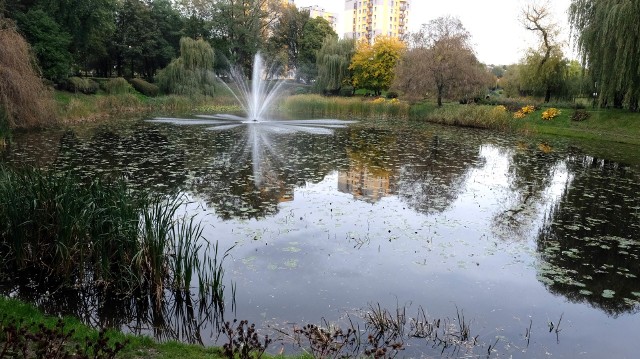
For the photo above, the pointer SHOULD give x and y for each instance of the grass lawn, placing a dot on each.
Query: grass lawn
(137, 346)
(603, 124)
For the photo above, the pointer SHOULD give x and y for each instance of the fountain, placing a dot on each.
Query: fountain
(256, 97)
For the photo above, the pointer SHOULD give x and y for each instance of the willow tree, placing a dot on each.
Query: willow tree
(333, 60)
(25, 102)
(608, 37)
(192, 72)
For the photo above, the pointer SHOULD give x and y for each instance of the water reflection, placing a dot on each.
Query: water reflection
(589, 239)
(329, 220)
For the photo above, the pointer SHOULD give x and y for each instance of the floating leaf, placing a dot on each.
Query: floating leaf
(608, 293)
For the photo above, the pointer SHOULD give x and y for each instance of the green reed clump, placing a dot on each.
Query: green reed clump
(317, 105)
(99, 232)
(467, 116)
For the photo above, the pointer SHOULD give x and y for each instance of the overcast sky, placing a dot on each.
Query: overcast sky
(498, 35)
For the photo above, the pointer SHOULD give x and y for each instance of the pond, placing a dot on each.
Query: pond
(529, 244)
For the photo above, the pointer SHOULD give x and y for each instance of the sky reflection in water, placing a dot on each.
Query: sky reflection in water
(328, 219)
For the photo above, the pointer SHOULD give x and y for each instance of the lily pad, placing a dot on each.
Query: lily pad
(608, 293)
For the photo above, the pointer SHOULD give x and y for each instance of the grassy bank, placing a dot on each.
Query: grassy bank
(73, 333)
(78, 108)
(344, 107)
(601, 124)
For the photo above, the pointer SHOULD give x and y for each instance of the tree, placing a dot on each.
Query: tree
(49, 43)
(284, 45)
(608, 37)
(333, 61)
(24, 100)
(138, 45)
(192, 73)
(543, 74)
(240, 28)
(373, 65)
(441, 61)
(91, 24)
(546, 65)
(314, 33)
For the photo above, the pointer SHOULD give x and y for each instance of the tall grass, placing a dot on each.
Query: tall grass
(321, 106)
(73, 108)
(477, 116)
(101, 232)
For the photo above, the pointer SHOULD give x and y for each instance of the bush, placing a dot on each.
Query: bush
(392, 94)
(580, 115)
(346, 91)
(550, 114)
(300, 90)
(83, 85)
(144, 87)
(117, 86)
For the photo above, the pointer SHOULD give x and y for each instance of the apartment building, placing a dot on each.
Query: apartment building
(372, 18)
(317, 11)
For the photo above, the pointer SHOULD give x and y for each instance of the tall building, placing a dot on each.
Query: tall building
(317, 11)
(372, 18)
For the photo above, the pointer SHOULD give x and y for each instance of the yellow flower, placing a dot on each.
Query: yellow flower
(519, 114)
(378, 100)
(550, 113)
(528, 109)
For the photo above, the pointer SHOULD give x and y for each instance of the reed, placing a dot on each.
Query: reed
(102, 231)
(342, 107)
(477, 116)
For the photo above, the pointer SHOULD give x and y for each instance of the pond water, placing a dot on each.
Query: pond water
(534, 241)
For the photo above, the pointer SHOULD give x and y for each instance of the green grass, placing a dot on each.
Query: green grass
(137, 346)
(77, 108)
(603, 125)
(344, 107)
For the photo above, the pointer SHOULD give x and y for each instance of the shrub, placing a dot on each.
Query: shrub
(392, 94)
(550, 113)
(300, 90)
(83, 85)
(580, 115)
(346, 91)
(117, 86)
(144, 87)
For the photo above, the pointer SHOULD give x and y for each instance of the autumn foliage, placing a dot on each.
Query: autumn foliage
(24, 99)
(373, 65)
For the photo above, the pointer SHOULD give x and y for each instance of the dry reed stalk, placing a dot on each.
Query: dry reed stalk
(28, 103)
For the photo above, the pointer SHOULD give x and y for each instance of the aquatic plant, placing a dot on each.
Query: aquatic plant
(243, 341)
(100, 232)
(320, 106)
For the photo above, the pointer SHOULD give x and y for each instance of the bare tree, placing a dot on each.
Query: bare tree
(537, 17)
(441, 60)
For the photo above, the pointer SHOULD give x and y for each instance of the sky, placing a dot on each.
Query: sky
(498, 36)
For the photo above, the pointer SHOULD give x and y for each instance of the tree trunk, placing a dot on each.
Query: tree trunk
(618, 100)
(440, 88)
(547, 95)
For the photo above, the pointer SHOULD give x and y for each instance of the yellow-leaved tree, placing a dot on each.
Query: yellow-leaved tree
(373, 65)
